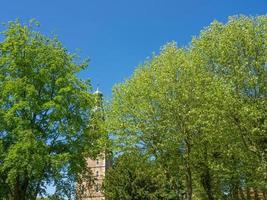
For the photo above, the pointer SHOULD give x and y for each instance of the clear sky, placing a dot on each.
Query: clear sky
(117, 35)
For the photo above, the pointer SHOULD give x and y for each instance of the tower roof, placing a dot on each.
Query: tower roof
(98, 92)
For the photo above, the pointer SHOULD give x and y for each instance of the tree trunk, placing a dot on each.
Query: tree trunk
(206, 183)
(20, 189)
(188, 173)
(206, 177)
(189, 183)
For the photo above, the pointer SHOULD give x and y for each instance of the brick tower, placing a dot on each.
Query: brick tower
(99, 165)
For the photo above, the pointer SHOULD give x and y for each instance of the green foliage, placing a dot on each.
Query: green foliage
(133, 176)
(201, 111)
(44, 114)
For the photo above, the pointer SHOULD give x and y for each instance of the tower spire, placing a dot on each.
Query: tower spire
(98, 99)
(98, 92)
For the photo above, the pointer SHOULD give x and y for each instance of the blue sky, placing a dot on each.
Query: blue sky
(117, 35)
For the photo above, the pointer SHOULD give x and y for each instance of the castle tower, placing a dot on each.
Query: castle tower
(98, 165)
(98, 168)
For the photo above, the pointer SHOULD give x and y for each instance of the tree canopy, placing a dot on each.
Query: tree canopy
(200, 111)
(136, 177)
(45, 111)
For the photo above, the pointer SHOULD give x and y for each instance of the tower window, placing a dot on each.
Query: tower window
(97, 161)
(97, 173)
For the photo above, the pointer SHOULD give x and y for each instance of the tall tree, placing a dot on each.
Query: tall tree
(237, 53)
(44, 114)
(201, 111)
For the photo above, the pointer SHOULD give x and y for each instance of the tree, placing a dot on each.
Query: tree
(135, 177)
(164, 109)
(44, 114)
(236, 52)
(200, 111)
